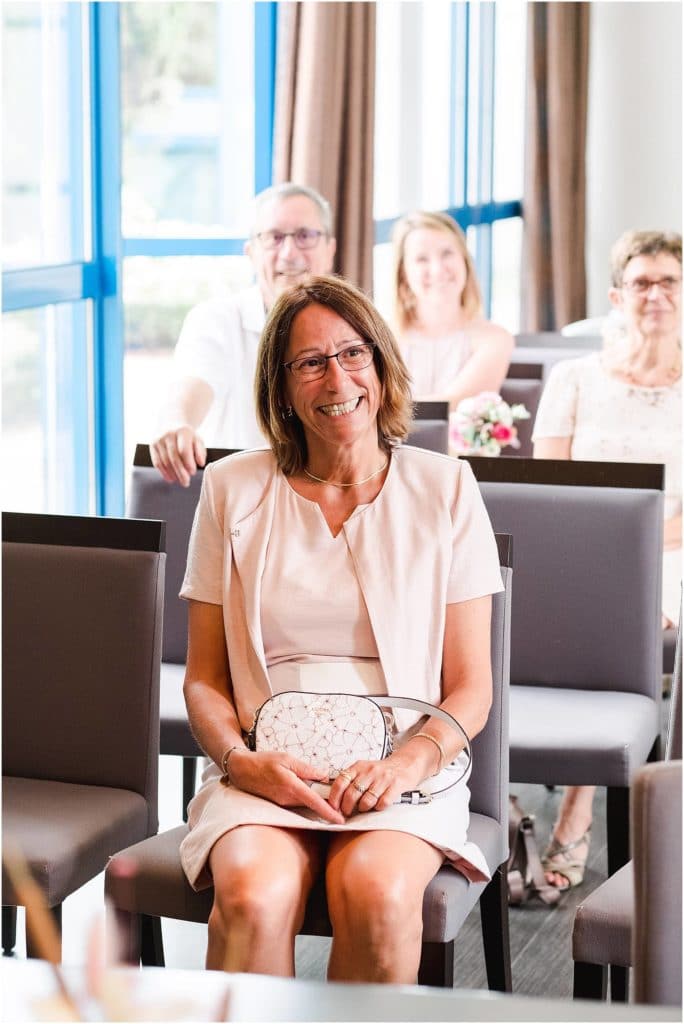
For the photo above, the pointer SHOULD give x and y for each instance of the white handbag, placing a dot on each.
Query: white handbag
(333, 730)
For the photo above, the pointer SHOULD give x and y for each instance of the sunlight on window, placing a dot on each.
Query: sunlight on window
(188, 146)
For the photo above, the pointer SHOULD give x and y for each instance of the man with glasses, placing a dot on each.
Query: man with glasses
(210, 400)
(623, 404)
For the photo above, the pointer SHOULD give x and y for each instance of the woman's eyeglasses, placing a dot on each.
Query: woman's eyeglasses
(354, 357)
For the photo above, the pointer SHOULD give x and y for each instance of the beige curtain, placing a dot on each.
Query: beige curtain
(553, 277)
(324, 119)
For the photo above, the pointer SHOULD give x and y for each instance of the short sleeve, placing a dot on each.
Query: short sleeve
(558, 404)
(475, 568)
(204, 571)
(204, 348)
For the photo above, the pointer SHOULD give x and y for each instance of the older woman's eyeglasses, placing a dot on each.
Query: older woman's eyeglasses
(304, 238)
(643, 285)
(354, 357)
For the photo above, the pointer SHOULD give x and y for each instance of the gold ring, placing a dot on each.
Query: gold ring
(345, 775)
(372, 793)
(361, 789)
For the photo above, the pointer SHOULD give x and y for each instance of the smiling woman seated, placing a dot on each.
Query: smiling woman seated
(451, 351)
(336, 557)
(623, 404)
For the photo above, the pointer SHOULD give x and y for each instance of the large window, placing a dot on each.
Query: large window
(193, 154)
(47, 320)
(449, 133)
(135, 137)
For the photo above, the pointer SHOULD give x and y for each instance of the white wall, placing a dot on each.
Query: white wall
(634, 144)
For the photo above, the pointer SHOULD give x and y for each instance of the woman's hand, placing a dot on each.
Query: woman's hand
(282, 779)
(375, 785)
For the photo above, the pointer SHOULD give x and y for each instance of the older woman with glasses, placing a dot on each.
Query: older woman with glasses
(333, 561)
(451, 351)
(622, 405)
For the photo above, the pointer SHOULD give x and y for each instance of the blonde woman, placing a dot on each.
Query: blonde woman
(622, 405)
(450, 349)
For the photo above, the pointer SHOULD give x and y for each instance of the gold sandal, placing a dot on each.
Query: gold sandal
(556, 861)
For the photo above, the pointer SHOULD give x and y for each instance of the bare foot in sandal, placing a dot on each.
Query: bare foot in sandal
(565, 858)
(564, 863)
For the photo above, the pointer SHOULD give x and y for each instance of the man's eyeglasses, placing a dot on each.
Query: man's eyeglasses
(304, 238)
(355, 357)
(643, 285)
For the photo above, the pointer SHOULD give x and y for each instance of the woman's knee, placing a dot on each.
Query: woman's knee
(255, 898)
(388, 900)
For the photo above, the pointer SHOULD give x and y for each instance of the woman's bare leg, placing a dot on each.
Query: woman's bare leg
(574, 818)
(262, 878)
(375, 883)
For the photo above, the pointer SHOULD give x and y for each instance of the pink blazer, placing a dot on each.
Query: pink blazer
(426, 541)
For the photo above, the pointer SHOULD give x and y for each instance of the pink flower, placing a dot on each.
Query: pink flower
(503, 433)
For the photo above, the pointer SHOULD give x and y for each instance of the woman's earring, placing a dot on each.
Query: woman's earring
(288, 412)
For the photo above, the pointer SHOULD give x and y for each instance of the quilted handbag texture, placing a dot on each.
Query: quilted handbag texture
(327, 730)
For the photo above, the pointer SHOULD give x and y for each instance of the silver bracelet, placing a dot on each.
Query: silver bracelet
(225, 759)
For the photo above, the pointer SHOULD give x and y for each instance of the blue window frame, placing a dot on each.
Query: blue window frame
(93, 358)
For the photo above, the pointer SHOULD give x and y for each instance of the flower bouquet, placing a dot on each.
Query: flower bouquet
(484, 424)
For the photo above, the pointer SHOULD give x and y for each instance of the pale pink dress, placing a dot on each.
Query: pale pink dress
(434, 363)
(317, 637)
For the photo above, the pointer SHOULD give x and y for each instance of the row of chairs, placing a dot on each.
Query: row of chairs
(585, 675)
(584, 665)
(633, 501)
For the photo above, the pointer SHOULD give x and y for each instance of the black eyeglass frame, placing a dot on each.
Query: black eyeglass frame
(370, 345)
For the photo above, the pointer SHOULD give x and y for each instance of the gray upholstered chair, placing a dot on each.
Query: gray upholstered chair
(82, 624)
(430, 427)
(523, 384)
(151, 497)
(549, 347)
(161, 889)
(604, 931)
(586, 634)
(657, 936)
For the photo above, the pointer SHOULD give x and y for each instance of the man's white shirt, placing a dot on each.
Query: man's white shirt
(218, 344)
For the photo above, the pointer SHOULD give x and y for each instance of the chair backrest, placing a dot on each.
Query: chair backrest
(656, 816)
(82, 626)
(523, 385)
(588, 542)
(549, 347)
(151, 497)
(489, 780)
(430, 426)
(430, 434)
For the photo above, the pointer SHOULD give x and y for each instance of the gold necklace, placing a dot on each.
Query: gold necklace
(355, 483)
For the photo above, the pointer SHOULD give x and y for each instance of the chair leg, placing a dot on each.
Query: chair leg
(437, 964)
(9, 930)
(151, 943)
(189, 781)
(590, 981)
(31, 950)
(617, 818)
(127, 928)
(495, 935)
(619, 983)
